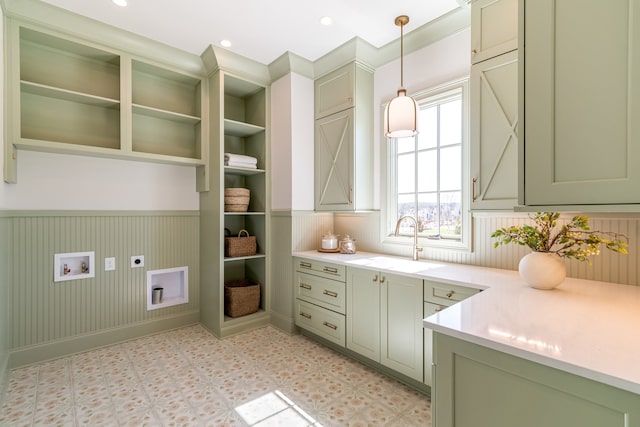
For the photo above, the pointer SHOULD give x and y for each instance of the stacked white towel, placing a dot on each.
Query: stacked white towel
(240, 161)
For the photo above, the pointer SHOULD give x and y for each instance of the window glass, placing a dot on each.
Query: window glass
(427, 181)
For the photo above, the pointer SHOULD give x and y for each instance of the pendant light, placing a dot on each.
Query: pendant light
(401, 113)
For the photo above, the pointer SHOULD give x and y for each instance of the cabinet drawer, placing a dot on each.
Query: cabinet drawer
(320, 321)
(318, 290)
(319, 268)
(446, 294)
(431, 308)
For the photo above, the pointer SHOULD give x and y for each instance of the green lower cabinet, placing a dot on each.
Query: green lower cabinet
(384, 320)
(480, 387)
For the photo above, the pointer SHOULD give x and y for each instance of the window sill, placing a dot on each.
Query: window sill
(427, 243)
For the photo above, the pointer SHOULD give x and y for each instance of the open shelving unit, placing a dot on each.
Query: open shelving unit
(70, 95)
(69, 92)
(239, 125)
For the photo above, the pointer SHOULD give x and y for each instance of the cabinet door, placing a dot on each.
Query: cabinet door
(471, 380)
(363, 312)
(494, 28)
(335, 91)
(429, 309)
(334, 161)
(582, 102)
(401, 325)
(494, 133)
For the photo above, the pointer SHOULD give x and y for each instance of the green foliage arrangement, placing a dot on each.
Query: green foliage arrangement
(573, 240)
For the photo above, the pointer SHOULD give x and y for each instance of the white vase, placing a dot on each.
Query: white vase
(542, 270)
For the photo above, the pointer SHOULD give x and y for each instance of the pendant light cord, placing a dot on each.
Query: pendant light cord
(401, 55)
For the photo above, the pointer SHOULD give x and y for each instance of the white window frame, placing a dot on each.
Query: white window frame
(389, 197)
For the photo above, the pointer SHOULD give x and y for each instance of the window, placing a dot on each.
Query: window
(427, 172)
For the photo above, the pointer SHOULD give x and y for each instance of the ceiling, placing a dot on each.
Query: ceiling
(259, 29)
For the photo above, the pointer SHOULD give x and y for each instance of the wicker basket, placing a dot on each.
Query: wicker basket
(241, 297)
(239, 246)
(236, 199)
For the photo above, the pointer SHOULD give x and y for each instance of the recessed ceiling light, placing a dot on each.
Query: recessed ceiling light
(225, 43)
(326, 20)
(122, 3)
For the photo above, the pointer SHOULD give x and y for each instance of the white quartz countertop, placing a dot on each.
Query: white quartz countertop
(584, 327)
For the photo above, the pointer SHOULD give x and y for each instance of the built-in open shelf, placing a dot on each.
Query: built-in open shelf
(174, 283)
(73, 266)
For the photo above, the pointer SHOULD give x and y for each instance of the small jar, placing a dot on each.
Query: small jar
(329, 241)
(347, 245)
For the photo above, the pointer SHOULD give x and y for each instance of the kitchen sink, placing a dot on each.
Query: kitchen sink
(396, 264)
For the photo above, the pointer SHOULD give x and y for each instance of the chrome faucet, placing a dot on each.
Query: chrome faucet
(416, 248)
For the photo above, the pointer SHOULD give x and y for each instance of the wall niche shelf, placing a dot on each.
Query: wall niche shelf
(174, 283)
(73, 266)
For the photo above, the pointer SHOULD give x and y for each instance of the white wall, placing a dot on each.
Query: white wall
(440, 62)
(302, 142)
(281, 143)
(64, 182)
(292, 133)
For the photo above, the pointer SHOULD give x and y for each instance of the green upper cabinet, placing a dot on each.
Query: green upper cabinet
(494, 28)
(335, 91)
(582, 103)
(344, 139)
(493, 132)
(71, 95)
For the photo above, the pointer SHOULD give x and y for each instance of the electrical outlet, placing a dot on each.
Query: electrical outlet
(137, 261)
(109, 264)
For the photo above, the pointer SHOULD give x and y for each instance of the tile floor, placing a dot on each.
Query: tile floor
(187, 377)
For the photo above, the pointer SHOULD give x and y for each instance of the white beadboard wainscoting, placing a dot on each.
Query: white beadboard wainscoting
(608, 266)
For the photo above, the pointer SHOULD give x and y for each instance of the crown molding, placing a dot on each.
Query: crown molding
(62, 21)
(363, 52)
(217, 58)
(289, 62)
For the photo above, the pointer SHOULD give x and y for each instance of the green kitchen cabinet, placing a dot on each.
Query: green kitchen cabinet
(493, 134)
(344, 139)
(320, 299)
(581, 103)
(384, 319)
(494, 28)
(336, 91)
(71, 95)
(437, 297)
(476, 386)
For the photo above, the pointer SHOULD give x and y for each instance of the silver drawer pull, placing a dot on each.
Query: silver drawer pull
(330, 270)
(305, 286)
(305, 264)
(303, 314)
(331, 294)
(329, 325)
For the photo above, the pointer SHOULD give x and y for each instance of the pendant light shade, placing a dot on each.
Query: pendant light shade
(401, 113)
